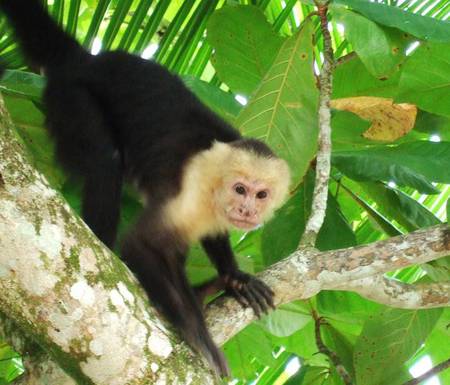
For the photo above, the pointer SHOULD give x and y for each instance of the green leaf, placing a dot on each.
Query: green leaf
(347, 131)
(283, 111)
(282, 234)
(245, 46)
(397, 205)
(433, 124)
(388, 340)
(23, 84)
(425, 79)
(249, 343)
(219, 101)
(339, 344)
(286, 319)
(345, 306)
(423, 27)
(364, 233)
(353, 79)
(414, 164)
(11, 365)
(381, 49)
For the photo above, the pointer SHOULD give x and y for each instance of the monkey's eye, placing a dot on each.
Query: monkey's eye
(240, 189)
(261, 194)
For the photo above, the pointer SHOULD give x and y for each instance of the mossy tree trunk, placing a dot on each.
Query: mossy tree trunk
(63, 287)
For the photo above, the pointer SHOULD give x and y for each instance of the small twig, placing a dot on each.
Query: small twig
(430, 373)
(346, 58)
(336, 361)
(320, 194)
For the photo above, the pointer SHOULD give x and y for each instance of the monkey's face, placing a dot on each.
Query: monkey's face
(246, 202)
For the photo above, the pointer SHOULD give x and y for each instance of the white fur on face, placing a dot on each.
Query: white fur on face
(207, 196)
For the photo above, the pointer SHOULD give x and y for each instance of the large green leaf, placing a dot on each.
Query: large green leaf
(286, 319)
(397, 205)
(282, 234)
(435, 347)
(283, 111)
(414, 164)
(219, 101)
(11, 365)
(425, 78)
(423, 27)
(345, 306)
(433, 124)
(381, 49)
(353, 79)
(347, 131)
(376, 219)
(338, 343)
(22, 84)
(389, 339)
(251, 342)
(245, 46)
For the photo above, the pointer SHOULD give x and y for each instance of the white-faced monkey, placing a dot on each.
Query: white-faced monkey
(116, 116)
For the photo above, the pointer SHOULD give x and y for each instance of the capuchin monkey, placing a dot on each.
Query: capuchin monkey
(117, 117)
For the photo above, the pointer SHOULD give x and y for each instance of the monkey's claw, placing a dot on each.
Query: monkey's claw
(249, 291)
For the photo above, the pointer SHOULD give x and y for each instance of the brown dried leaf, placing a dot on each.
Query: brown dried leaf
(390, 121)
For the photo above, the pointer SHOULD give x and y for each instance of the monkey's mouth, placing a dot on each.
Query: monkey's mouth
(243, 224)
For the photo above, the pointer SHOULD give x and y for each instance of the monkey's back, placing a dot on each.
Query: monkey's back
(156, 123)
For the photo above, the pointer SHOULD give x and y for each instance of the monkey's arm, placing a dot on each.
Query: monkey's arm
(245, 288)
(161, 272)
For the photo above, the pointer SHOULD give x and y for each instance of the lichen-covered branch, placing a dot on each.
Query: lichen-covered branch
(308, 271)
(395, 293)
(78, 301)
(323, 164)
(39, 367)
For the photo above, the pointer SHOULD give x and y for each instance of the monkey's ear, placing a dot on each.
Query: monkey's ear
(282, 181)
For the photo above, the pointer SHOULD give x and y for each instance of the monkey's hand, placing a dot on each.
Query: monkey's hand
(249, 291)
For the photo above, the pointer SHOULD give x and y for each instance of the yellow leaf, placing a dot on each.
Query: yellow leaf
(390, 121)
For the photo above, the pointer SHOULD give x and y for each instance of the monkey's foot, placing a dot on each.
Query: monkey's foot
(249, 291)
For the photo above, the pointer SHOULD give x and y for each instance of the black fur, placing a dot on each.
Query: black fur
(116, 116)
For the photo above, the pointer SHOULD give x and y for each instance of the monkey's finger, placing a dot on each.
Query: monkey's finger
(259, 298)
(250, 297)
(238, 297)
(265, 292)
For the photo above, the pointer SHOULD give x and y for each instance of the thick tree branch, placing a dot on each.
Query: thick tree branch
(430, 373)
(320, 194)
(39, 367)
(62, 286)
(395, 293)
(307, 271)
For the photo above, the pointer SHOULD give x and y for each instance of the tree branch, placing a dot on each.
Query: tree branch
(39, 367)
(66, 289)
(430, 373)
(307, 271)
(395, 293)
(320, 194)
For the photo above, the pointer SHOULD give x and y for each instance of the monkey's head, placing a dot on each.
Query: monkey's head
(254, 184)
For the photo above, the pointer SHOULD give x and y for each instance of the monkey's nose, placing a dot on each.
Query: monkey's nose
(245, 212)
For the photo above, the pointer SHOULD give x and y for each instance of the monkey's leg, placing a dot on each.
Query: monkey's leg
(163, 277)
(245, 288)
(85, 146)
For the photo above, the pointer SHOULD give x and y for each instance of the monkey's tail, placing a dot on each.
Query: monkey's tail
(43, 42)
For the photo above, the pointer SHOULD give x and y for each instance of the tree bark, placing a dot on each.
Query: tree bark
(78, 301)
